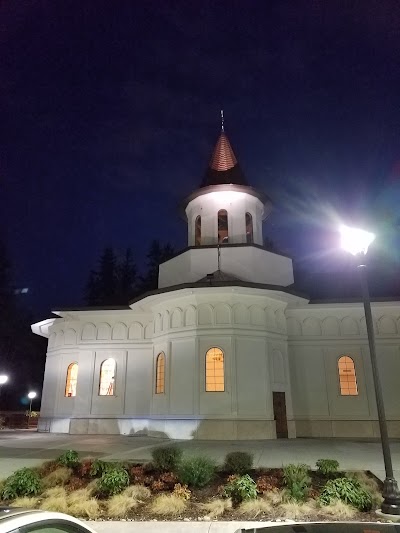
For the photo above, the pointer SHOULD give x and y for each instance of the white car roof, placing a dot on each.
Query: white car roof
(13, 518)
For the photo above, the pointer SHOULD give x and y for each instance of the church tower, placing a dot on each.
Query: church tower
(225, 229)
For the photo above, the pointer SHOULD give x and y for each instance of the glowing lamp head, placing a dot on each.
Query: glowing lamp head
(32, 395)
(3, 379)
(355, 240)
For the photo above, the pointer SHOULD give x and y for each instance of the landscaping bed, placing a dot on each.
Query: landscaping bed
(173, 487)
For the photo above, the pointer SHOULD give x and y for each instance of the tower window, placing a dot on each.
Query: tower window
(160, 373)
(72, 379)
(347, 376)
(249, 228)
(107, 378)
(223, 227)
(197, 231)
(215, 379)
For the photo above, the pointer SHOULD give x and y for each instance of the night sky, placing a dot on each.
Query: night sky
(109, 112)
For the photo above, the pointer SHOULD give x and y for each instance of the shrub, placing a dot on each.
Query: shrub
(24, 482)
(182, 491)
(137, 474)
(113, 481)
(85, 468)
(238, 463)
(196, 471)
(167, 458)
(169, 478)
(327, 467)
(168, 505)
(370, 484)
(241, 489)
(348, 491)
(58, 477)
(70, 459)
(100, 467)
(297, 481)
(264, 484)
(158, 486)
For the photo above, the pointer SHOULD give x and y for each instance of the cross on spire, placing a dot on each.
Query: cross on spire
(222, 120)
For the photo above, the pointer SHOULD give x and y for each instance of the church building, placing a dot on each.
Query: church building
(225, 348)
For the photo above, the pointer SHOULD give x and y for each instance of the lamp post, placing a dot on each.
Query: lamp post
(31, 396)
(357, 241)
(3, 379)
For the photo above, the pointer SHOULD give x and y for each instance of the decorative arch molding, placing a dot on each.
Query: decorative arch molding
(311, 326)
(293, 326)
(103, 331)
(190, 316)
(148, 331)
(119, 331)
(52, 340)
(330, 326)
(270, 318)
(88, 332)
(176, 318)
(165, 324)
(278, 367)
(223, 314)
(241, 314)
(280, 320)
(257, 316)
(387, 325)
(205, 315)
(349, 326)
(158, 323)
(60, 338)
(70, 336)
(135, 331)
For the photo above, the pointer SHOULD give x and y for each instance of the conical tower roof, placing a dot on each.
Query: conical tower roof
(223, 168)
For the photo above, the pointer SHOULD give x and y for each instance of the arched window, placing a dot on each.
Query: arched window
(249, 228)
(72, 379)
(222, 227)
(347, 376)
(215, 381)
(197, 231)
(107, 378)
(160, 373)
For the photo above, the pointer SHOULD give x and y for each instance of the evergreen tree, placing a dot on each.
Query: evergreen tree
(92, 293)
(157, 254)
(127, 278)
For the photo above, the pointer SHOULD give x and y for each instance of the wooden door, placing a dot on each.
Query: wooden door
(279, 403)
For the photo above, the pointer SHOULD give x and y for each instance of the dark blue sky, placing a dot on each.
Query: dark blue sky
(109, 112)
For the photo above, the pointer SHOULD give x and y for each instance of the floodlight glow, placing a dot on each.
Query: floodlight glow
(3, 379)
(355, 240)
(32, 395)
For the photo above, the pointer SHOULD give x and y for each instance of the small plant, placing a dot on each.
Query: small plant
(241, 489)
(168, 505)
(238, 463)
(264, 484)
(158, 486)
(196, 471)
(348, 491)
(169, 478)
(167, 458)
(182, 491)
(327, 467)
(85, 468)
(24, 482)
(297, 481)
(137, 474)
(70, 459)
(113, 481)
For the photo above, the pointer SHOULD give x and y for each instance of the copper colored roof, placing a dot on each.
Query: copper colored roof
(223, 157)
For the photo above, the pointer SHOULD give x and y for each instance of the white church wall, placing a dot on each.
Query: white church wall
(139, 381)
(182, 377)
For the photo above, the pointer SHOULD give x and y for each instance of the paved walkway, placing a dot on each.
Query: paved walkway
(20, 448)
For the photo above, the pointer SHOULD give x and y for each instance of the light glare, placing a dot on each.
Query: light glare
(3, 379)
(32, 395)
(355, 240)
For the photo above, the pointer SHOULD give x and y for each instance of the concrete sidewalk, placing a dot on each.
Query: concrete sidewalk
(21, 448)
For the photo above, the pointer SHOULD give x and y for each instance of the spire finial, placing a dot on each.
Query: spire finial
(222, 120)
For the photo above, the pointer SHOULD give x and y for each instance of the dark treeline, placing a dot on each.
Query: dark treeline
(116, 279)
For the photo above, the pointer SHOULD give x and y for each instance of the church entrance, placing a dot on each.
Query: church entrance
(279, 402)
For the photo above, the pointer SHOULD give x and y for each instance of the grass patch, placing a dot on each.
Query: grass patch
(55, 492)
(57, 504)
(297, 510)
(25, 501)
(85, 509)
(58, 477)
(168, 505)
(138, 492)
(252, 508)
(338, 510)
(369, 484)
(119, 505)
(216, 507)
(274, 497)
(78, 496)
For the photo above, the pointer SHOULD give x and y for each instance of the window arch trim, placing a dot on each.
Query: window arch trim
(71, 380)
(223, 227)
(107, 377)
(160, 373)
(249, 228)
(347, 376)
(215, 370)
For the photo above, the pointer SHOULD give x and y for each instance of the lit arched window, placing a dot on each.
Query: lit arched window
(160, 373)
(347, 376)
(249, 228)
(197, 231)
(107, 378)
(222, 227)
(72, 379)
(215, 381)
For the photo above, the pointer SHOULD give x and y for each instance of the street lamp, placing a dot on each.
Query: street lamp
(3, 379)
(31, 396)
(357, 241)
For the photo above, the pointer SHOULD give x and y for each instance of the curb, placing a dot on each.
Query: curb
(178, 527)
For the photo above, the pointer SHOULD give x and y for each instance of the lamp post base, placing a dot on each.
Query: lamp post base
(391, 497)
